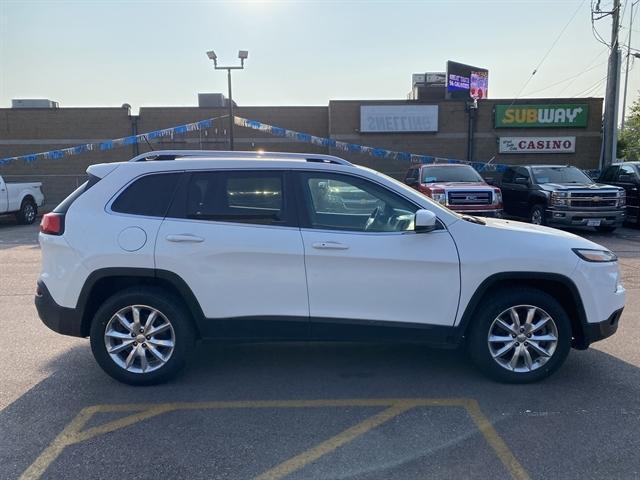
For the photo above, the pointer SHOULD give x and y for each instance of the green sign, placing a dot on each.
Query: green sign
(565, 115)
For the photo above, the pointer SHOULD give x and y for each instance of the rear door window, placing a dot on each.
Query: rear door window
(235, 196)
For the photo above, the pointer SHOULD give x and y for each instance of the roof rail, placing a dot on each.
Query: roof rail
(179, 154)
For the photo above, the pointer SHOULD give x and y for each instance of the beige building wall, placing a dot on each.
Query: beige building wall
(24, 131)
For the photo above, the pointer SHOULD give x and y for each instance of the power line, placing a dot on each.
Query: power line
(535, 70)
(566, 79)
(592, 87)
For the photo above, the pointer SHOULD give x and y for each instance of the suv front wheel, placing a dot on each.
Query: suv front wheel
(520, 335)
(142, 336)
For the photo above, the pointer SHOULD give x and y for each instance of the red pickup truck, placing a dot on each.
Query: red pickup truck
(459, 187)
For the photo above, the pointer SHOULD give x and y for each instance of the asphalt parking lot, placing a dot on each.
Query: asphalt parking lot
(305, 411)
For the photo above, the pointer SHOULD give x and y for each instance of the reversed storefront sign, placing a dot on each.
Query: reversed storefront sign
(542, 116)
(537, 145)
(398, 118)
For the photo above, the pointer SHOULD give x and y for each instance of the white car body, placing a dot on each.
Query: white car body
(239, 271)
(12, 194)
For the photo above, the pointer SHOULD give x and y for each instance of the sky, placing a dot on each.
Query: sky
(152, 53)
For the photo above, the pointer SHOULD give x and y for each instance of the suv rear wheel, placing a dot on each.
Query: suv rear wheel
(520, 336)
(142, 336)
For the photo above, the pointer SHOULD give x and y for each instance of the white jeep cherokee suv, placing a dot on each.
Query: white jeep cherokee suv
(150, 255)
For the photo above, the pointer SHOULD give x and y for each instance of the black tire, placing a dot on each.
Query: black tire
(500, 301)
(605, 229)
(28, 212)
(537, 212)
(174, 311)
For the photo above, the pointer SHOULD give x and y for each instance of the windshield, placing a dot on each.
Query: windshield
(464, 173)
(560, 175)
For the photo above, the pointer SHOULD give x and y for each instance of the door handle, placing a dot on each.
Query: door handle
(185, 238)
(330, 246)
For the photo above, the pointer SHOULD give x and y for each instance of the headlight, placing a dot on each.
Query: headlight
(622, 198)
(591, 255)
(559, 198)
(497, 197)
(440, 198)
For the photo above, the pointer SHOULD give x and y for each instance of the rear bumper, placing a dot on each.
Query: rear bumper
(571, 218)
(66, 321)
(594, 332)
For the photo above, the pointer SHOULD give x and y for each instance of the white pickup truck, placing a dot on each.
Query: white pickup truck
(21, 199)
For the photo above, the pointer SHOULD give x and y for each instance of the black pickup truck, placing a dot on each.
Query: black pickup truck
(561, 195)
(627, 176)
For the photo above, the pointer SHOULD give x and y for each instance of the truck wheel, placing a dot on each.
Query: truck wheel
(519, 335)
(537, 215)
(27, 213)
(142, 336)
(605, 228)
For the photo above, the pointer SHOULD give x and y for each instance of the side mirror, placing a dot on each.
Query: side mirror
(522, 181)
(425, 221)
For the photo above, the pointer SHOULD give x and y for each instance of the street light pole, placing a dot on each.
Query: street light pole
(242, 55)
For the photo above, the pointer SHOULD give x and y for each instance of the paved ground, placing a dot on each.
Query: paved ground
(310, 411)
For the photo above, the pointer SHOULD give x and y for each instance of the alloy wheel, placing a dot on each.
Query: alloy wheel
(536, 217)
(29, 213)
(139, 339)
(522, 338)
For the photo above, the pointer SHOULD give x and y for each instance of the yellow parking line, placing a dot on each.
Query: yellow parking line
(73, 432)
(503, 452)
(299, 461)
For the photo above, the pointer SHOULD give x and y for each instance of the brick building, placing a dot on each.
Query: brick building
(31, 130)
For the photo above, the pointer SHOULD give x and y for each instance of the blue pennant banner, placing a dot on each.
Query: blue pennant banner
(363, 149)
(111, 144)
(106, 145)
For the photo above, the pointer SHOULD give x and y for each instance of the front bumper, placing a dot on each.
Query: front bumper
(66, 321)
(574, 218)
(479, 213)
(593, 332)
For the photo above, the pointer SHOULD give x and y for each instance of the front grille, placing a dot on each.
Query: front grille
(593, 204)
(593, 199)
(470, 198)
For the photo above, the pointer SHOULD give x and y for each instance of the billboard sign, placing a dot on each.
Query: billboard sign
(537, 145)
(398, 118)
(465, 81)
(542, 116)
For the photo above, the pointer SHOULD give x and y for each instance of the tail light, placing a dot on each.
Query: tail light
(52, 224)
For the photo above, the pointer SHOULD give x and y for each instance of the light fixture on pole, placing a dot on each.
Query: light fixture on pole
(242, 55)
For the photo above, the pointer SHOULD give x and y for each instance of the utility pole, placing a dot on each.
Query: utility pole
(612, 95)
(626, 73)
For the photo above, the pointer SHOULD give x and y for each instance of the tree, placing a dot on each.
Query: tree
(629, 140)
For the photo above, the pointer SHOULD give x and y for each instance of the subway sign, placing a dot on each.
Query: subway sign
(565, 115)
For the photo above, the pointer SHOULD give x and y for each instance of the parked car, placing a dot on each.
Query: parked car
(626, 175)
(150, 255)
(21, 199)
(459, 187)
(561, 195)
